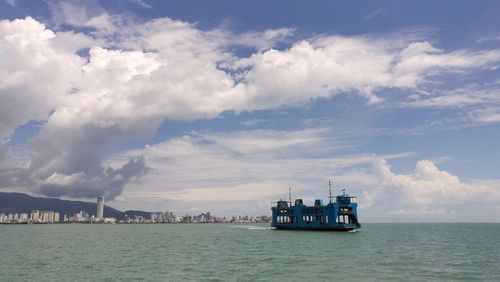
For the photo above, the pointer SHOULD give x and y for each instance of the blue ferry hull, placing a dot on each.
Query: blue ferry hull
(322, 228)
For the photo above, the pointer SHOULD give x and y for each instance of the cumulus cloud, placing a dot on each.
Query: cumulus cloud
(427, 191)
(34, 76)
(134, 76)
(332, 64)
(108, 182)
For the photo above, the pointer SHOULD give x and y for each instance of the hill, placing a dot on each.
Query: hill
(23, 203)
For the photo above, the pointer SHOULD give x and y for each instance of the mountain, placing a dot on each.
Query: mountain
(23, 203)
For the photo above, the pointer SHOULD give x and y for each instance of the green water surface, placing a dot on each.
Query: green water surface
(224, 252)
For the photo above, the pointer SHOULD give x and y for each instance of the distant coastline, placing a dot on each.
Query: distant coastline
(19, 208)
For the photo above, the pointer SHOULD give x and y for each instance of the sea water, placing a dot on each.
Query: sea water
(248, 252)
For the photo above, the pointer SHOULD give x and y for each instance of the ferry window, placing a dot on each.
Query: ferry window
(342, 219)
(326, 219)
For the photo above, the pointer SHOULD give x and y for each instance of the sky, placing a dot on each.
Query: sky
(221, 106)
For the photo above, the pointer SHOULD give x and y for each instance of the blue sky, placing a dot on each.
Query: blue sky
(221, 105)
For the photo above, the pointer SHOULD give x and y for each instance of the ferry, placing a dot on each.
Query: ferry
(340, 214)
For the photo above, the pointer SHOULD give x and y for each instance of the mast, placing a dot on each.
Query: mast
(290, 194)
(330, 186)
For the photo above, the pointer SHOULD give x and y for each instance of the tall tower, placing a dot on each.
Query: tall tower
(100, 207)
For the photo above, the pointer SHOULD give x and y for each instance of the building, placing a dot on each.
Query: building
(56, 217)
(100, 208)
(82, 216)
(35, 215)
(47, 216)
(23, 217)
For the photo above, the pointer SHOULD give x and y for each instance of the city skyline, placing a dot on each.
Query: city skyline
(45, 216)
(195, 106)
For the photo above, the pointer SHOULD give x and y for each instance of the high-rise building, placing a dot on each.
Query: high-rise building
(48, 216)
(35, 215)
(100, 208)
(55, 217)
(23, 217)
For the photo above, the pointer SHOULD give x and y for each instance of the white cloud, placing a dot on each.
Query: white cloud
(142, 3)
(427, 193)
(332, 64)
(248, 167)
(487, 114)
(76, 13)
(253, 122)
(34, 76)
(373, 15)
(137, 75)
(479, 103)
(459, 98)
(261, 40)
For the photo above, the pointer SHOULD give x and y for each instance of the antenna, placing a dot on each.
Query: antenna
(330, 186)
(290, 194)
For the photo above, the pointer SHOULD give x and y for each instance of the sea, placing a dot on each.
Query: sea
(249, 252)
